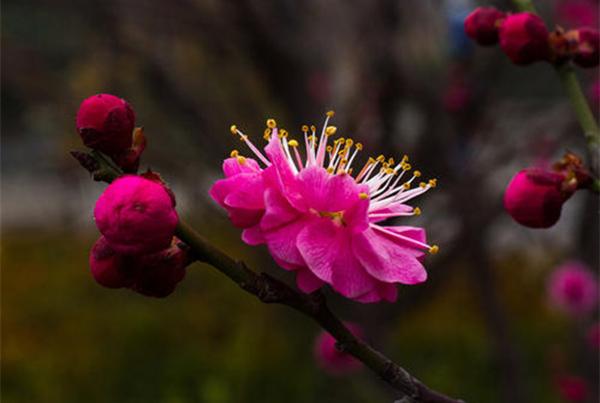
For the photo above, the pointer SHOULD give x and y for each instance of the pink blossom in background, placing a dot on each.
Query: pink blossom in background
(572, 388)
(593, 336)
(320, 221)
(594, 93)
(577, 13)
(573, 288)
(330, 359)
(136, 215)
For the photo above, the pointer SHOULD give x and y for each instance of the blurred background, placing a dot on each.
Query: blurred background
(403, 78)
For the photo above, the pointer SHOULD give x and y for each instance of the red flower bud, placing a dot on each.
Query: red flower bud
(136, 215)
(524, 38)
(482, 25)
(161, 272)
(588, 44)
(109, 268)
(534, 197)
(105, 123)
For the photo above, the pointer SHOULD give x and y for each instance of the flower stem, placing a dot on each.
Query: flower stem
(270, 290)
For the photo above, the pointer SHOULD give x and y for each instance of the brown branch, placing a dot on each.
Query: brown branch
(270, 290)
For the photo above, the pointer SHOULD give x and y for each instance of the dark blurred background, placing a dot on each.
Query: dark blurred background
(402, 78)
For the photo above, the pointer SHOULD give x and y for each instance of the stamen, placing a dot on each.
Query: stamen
(234, 153)
(363, 196)
(434, 249)
(251, 146)
(405, 238)
(271, 123)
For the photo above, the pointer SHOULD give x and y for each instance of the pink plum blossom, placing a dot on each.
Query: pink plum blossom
(482, 25)
(573, 288)
(524, 38)
(109, 268)
(331, 359)
(136, 215)
(319, 220)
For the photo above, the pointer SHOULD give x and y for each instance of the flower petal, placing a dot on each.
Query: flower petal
(326, 192)
(253, 236)
(233, 166)
(278, 210)
(325, 247)
(387, 260)
(308, 282)
(285, 177)
(245, 191)
(281, 242)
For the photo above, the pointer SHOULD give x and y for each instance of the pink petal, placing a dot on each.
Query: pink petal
(308, 282)
(285, 177)
(325, 192)
(231, 166)
(325, 247)
(246, 191)
(253, 236)
(278, 210)
(391, 209)
(387, 260)
(281, 242)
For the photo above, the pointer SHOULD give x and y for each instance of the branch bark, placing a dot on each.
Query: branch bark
(270, 290)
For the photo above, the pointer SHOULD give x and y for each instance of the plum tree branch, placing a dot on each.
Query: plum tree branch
(270, 290)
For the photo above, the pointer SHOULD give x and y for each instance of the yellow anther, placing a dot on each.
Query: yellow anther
(234, 153)
(433, 182)
(391, 161)
(233, 129)
(406, 186)
(341, 152)
(389, 171)
(293, 143)
(371, 160)
(359, 146)
(304, 128)
(329, 149)
(363, 196)
(330, 114)
(271, 123)
(241, 160)
(330, 130)
(283, 133)
(434, 249)
(417, 174)
(381, 158)
(243, 137)
(423, 185)
(349, 142)
(313, 128)
(417, 211)
(406, 167)
(344, 161)
(330, 170)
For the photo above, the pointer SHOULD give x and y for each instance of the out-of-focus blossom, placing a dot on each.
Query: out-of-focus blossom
(577, 13)
(322, 222)
(458, 93)
(534, 197)
(136, 215)
(593, 336)
(332, 360)
(572, 388)
(573, 288)
(524, 38)
(588, 46)
(482, 25)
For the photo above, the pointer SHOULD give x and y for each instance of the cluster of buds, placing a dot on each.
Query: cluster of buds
(136, 213)
(524, 38)
(535, 196)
